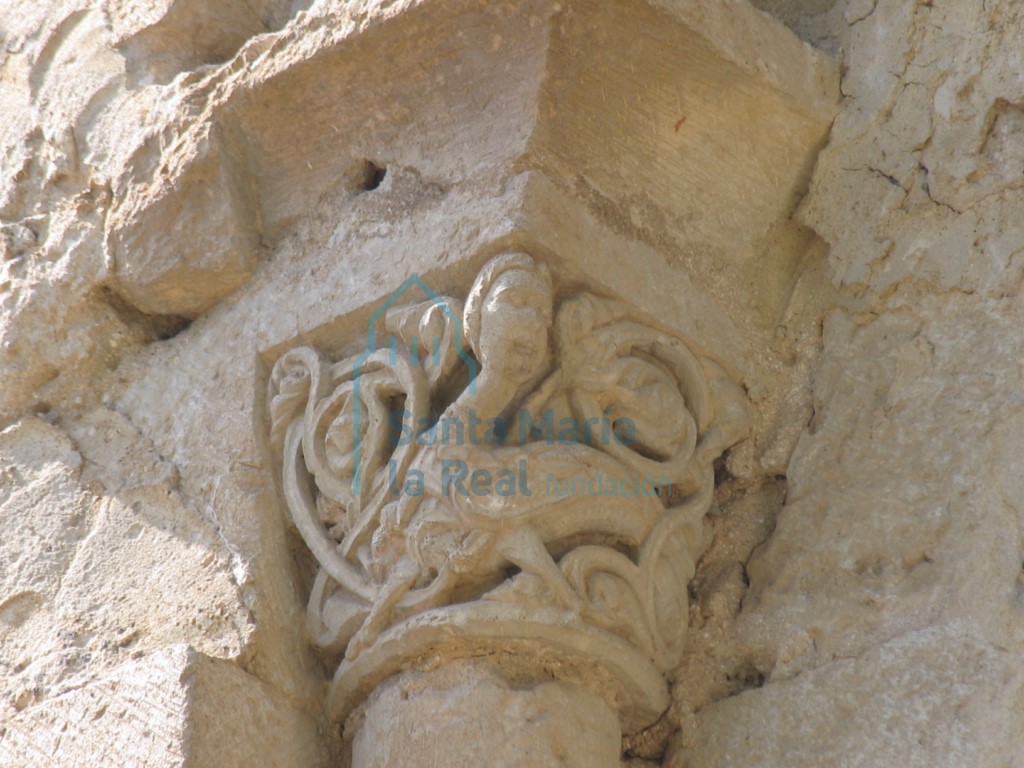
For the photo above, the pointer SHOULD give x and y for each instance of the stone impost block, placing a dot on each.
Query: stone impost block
(178, 245)
(694, 133)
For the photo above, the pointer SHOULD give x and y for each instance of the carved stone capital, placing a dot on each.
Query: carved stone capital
(521, 476)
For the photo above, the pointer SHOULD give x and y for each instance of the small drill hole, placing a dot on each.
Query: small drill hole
(372, 176)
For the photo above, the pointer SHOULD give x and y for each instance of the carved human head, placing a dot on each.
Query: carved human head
(646, 394)
(508, 315)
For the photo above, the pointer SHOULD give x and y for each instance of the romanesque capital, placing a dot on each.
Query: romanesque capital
(522, 473)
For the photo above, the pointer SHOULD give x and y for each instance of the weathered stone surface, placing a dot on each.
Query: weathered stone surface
(97, 567)
(82, 86)
(163, 155)
(700, 99)
(902, 515)
(163, 710)
(921, 353)
(592, 432)
(237, 170)
(440, 717)
(898, 553)
(937, 697)
(351, 144)
(191, 248)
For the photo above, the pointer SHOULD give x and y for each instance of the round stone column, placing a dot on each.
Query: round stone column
(467, 714)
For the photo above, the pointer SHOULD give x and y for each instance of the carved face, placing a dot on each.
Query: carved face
(514, 324)
(651, 399)
(340, 440)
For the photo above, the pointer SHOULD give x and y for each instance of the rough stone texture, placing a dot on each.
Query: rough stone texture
(117, 225)
(937, 697)
(163, 710)
(102, 560)
(884, 613)
(465, 714)
(882, 623)
(82, 85)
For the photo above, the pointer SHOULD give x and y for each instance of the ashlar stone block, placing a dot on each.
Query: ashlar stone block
(694, 133)
(173, 709)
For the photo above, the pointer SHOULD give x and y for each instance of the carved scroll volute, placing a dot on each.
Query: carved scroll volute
(683, 414)
(417, 534)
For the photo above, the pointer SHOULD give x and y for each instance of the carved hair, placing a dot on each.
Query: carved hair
(493, 269)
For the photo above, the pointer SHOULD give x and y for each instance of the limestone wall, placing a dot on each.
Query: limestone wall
(163, 238)
(885, 609)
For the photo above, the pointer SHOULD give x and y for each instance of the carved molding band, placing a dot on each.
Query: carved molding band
(505, 475)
